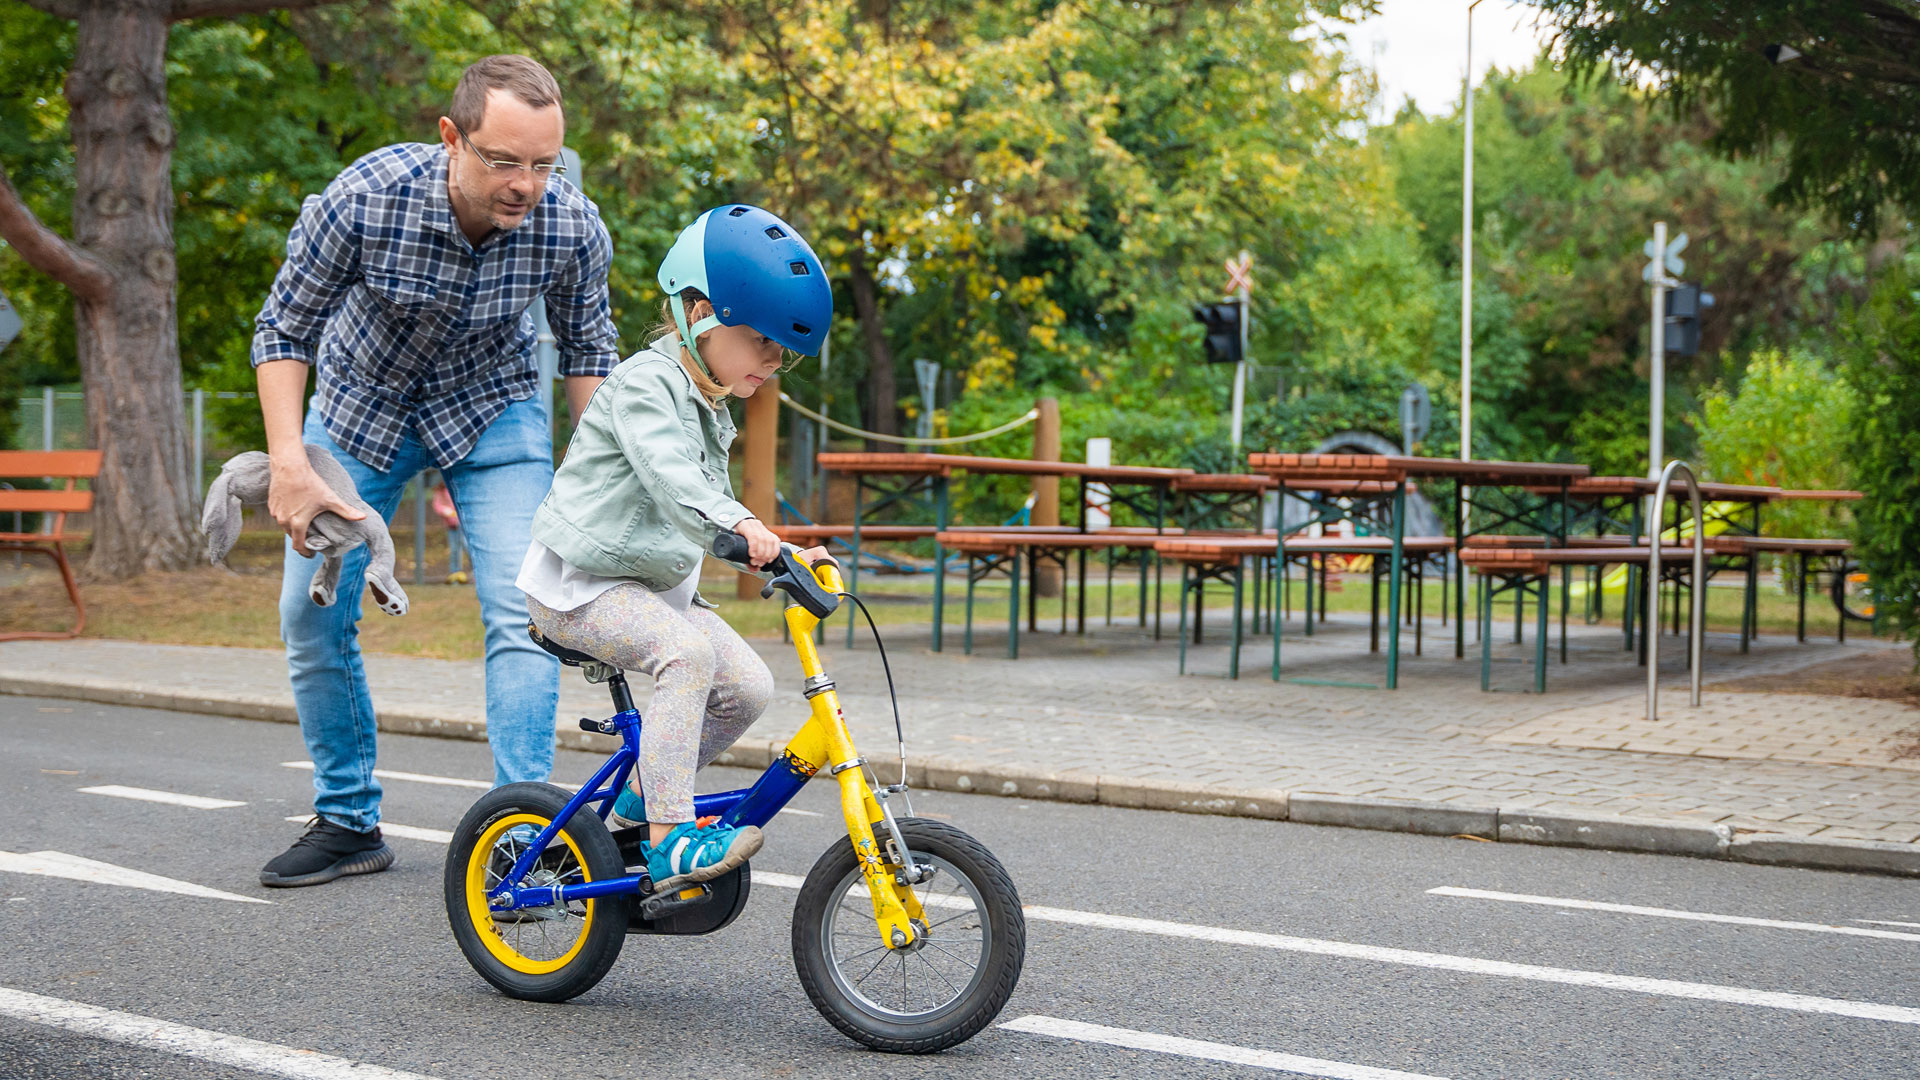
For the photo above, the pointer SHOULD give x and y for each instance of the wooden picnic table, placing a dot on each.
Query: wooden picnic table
(928, 475)
(1314, 479)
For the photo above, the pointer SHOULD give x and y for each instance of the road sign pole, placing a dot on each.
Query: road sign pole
(1656, 427)
(1240, 369)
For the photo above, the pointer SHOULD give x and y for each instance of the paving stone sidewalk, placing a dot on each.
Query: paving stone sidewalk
(1106, 716)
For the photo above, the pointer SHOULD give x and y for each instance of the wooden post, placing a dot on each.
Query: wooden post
(757, 477)
(1046, 489)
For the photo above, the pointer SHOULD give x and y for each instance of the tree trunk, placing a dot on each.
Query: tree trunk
(882, 394)
(128, 348)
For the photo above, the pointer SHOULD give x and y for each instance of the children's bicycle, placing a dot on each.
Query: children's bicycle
(907, 935)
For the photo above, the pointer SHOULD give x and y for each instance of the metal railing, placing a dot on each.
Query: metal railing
(1697, 613)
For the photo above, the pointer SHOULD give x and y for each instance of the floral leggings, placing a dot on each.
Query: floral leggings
(709, 685)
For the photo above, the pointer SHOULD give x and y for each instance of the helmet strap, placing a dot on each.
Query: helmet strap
(688, 335)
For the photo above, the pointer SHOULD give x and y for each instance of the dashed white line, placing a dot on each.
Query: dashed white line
(199, 1044)
(1208, 1051)
(198, 802)
(418, 778)
(1886, 922)
(75, 868)
(1672, 913)
(409, 832)
(1471, 965)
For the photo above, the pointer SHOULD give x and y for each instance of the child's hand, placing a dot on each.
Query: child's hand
(762, 546)
(814, 555)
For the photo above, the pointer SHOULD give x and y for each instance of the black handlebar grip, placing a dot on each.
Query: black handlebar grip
(730, 546)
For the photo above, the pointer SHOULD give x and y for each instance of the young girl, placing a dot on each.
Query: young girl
(614, 567)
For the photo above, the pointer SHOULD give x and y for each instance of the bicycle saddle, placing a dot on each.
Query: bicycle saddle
(569, 657)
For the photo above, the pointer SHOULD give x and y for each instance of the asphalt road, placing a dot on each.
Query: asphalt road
(1319, 943)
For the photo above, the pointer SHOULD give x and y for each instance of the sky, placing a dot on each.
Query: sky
(1419, 48)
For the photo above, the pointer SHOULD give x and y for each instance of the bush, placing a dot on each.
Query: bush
(1883, 363)
(1787, 424)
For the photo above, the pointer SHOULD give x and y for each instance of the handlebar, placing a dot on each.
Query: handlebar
(790, 575)
(730, 546)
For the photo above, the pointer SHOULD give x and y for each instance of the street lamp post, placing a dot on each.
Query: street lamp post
(1466, 257)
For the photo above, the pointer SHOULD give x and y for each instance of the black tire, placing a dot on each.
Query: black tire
(1855, 604)
(583, 848)
(974, 877)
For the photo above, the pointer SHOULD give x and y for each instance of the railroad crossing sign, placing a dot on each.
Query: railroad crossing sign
(1675, 265)
(10, 323)
(1239, 273)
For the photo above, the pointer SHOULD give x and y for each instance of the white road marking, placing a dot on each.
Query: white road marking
(1471, 965)
(1672, 913)
(147, 1033)
(198, 802)
(1885, 922)
(62, 865)
(409, 832)
(1208, 1051)
(418, 778)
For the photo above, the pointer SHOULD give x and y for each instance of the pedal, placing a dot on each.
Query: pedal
(654, 908)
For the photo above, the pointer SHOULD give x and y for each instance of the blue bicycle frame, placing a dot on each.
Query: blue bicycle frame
(754, 805)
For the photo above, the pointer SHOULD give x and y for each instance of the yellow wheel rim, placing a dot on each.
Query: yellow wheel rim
(483, 873)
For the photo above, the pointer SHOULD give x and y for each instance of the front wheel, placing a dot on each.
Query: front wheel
(537, 953)
(936, 992)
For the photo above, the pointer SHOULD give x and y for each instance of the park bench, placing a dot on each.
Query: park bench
(1520, 569)
(72, 466)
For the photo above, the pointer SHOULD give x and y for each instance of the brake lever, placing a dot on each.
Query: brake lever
(796, 579)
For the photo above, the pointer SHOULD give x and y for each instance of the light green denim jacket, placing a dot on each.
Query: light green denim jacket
(644, 487)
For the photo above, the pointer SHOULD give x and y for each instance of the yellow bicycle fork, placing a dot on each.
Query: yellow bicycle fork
(824, 743)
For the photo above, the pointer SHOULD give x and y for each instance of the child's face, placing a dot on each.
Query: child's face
(740, 357)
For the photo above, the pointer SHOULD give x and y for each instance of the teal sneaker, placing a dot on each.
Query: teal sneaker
(691, 853)
(629, 809)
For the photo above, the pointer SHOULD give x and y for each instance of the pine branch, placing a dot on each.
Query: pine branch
(47, 251)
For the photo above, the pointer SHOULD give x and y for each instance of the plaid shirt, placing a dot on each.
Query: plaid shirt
(413, 326)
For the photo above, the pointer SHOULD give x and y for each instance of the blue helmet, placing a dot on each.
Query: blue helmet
(756, 270)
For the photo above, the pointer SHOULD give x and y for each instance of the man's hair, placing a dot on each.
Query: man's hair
(521, 76)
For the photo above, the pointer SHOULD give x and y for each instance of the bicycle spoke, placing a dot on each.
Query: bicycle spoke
(942, 974)
(871, 970)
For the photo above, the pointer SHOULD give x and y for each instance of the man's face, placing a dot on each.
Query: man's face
(511, 133)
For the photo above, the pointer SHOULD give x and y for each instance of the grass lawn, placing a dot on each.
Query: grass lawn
(212, 606)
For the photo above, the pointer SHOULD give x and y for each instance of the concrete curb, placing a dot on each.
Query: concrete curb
(1007, 779)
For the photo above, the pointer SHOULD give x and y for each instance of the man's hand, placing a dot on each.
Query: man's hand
(762, 546)
(296, 494)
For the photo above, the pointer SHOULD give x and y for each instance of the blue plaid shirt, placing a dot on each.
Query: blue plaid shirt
(413, 326)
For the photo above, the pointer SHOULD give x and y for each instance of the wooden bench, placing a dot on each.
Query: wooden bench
(1219, 558)
(73, 466)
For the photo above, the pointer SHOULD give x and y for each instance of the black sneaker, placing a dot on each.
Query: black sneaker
(326, 852)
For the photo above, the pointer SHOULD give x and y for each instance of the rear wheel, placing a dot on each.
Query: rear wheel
(544, 953)
(939, 990)
(1853, 593)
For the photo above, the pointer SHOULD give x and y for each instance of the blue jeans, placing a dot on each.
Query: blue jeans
(495, 489)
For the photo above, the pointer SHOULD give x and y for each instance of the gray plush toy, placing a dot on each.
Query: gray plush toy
(243, 480)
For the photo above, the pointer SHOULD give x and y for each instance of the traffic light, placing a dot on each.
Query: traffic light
(1684, 305)
(1223, 331)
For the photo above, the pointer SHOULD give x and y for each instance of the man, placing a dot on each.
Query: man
(406, 288)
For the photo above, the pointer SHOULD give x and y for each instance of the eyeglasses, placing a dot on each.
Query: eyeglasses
(512, 168)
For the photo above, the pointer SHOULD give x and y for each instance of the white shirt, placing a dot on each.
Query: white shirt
(560, 585)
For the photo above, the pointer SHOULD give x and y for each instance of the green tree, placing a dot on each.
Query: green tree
(1569, 178)
(1883, 364)
(121, 267)
(1787, 424)
(1844, 112)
